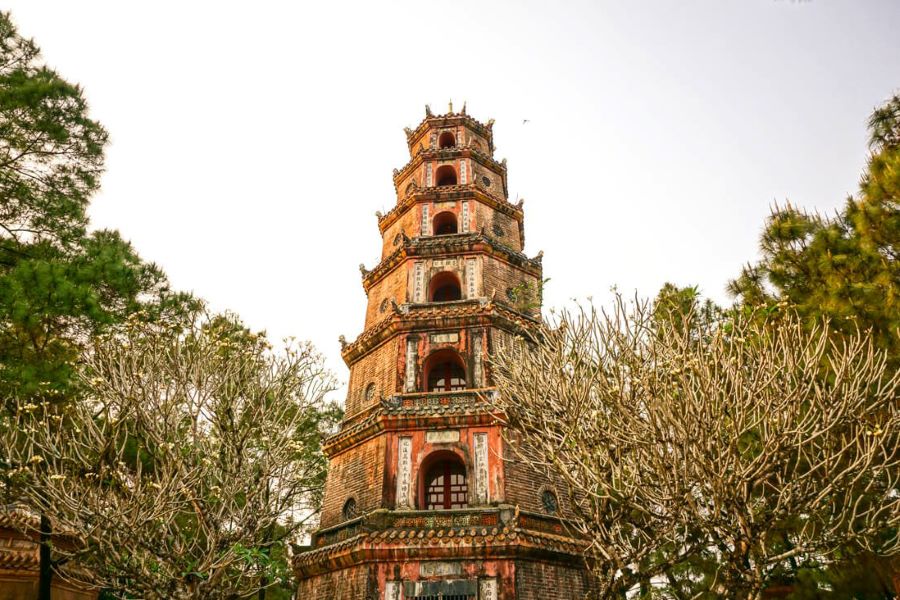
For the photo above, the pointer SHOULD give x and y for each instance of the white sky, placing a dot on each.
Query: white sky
(253, 142)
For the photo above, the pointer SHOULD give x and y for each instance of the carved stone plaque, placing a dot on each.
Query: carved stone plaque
(444, 338)
(425, 222)
(419, 283)
(439, 569)
(465, 217)
(481, 468)
(392, 590)
(410, 365)
(487, 589)
(471, 278)
(404, 466)
(447, 436)
(478, 371)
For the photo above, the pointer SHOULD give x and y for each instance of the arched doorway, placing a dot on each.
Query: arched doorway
(444, 287)
(444, 484)
(447, 140)
(445, 372)
(444, 223)
(446, 175)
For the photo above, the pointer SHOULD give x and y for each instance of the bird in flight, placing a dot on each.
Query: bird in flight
(525, 121)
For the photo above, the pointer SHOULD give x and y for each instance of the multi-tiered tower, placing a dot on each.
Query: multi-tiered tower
(423, 500)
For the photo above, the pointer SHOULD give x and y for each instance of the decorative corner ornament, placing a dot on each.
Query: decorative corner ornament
(540, 257)
(463, 111)
(490, 123)
(398, 309)
(428, 110)
(520, 203)
(343, 342)
(362, 270)
(378, 214)
(409, 132)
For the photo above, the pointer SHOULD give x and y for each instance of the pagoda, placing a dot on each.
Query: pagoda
(424, 500)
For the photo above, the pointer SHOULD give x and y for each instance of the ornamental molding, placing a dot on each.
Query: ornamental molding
(426, 154)
(452, 193)
(468, 534)
(446, 246)
(450, 120)
(481, 312)
(390, 415)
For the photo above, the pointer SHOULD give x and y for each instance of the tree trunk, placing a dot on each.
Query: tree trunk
(45, 570)
(263, 582)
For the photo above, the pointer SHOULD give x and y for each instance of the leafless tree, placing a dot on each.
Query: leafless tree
(193, 459)
(753, 443)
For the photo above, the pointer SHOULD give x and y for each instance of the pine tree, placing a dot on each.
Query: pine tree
(845, 267)
(59, 283)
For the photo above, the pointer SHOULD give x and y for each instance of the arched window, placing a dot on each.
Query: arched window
(349, 511)
(447, 140)
(549, 502)
(445, 372)
(444, 287)
(446, 175)
(444, 223)
(445, 484)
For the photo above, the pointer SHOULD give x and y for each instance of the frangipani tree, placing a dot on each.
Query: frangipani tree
(192, 460)
(708, 458)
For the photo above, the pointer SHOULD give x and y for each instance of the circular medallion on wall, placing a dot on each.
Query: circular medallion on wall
(486, 180)
(498, 230)
(549, 502)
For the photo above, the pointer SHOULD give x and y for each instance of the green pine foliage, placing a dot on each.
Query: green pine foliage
(844, 267)
(59, 283)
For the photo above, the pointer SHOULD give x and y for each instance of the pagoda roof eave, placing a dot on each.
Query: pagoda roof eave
(445, 245)
(447, 153)
(497, 532)
(448, 193)
(438, 315)
(485, 129)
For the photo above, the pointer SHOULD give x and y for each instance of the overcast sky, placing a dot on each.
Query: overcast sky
(252, 142)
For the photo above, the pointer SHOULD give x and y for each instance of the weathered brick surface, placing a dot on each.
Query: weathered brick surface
(499, 226)
(359, 474)
(524, 486)
(543, 581)
(407, 223)
(391, 287)
(345, 584)
(501, 280)
(378, 367)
